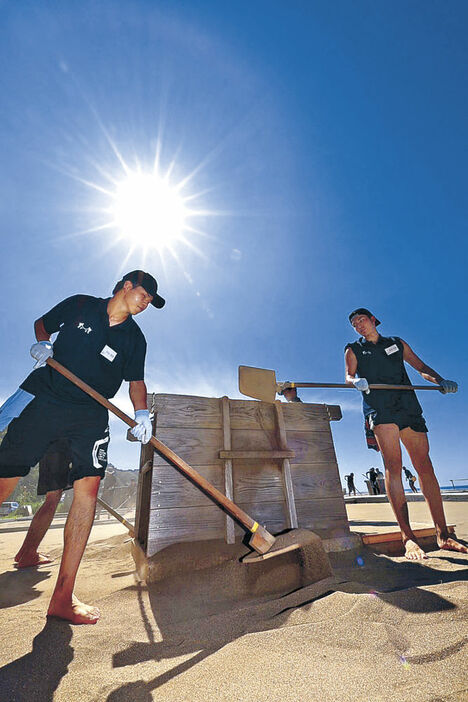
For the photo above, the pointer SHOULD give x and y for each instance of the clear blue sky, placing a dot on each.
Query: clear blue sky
(329, 139)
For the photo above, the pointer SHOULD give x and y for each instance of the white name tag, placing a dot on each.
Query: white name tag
(108, 353)
(391, 349)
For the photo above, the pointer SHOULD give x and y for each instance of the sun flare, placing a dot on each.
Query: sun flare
(148, 211)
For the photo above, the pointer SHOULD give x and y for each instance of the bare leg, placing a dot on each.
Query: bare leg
(28, 554)
(7, 485)
(417, 445)
(77, 528)
(388, 440)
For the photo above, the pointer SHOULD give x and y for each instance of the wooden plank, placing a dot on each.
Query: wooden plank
(334, 412)
(196, 524)
(188, 411)
(312, 513)
(172, 489)
(254, 440)
(258, 482)
(250, 455)
(196, 518)
(286, 470)
(312, 446)
(194, 446)
(302, 416)
(143, 503)
(316, 480)
(396, 535)
(250, 414)
(147, 466)
(228, 484)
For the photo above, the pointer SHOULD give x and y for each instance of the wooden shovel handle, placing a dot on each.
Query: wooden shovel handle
(372, 386)
(232, 509)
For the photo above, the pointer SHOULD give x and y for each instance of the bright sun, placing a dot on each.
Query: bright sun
(148, 211)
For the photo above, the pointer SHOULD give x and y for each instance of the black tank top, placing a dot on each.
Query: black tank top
(382, 362)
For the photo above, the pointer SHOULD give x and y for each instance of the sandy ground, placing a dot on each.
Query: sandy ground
(384, 629)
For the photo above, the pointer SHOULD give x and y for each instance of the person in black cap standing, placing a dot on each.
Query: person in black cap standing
(100, 342)
(394, 416)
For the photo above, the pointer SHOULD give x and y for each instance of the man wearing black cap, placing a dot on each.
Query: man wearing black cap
(99, 341)
(394, 415)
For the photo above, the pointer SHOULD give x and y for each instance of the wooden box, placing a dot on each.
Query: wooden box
(276, 461)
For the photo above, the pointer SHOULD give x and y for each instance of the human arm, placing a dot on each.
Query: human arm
(50, 323)
(40, 330)
(351, 369)
(137, 391)
(426, 371)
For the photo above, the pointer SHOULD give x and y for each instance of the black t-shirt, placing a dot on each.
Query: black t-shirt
(383, 362)
(97, 353)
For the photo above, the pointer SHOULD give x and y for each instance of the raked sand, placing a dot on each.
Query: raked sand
(384, 629)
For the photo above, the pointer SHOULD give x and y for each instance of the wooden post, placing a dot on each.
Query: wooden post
(145, 478)
(228, 484)
(287, 479)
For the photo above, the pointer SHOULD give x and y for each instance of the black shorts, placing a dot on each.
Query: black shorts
(54, 468)
(401, 418)
(44, 421)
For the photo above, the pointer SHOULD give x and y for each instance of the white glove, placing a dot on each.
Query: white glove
(143, 430)
(448, 386)
(361, 384)
(41, 352)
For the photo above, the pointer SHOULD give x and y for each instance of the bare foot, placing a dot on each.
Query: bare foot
(28, 560)
(73, 611)
(413, 552)
(450, 544)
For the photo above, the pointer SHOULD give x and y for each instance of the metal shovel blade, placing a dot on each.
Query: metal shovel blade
(259, 383)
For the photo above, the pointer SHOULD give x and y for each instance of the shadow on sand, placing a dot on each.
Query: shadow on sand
(199, 626)
(35, 676)
(19, 586)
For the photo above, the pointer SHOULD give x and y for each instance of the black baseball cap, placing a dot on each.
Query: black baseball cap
(147, 282)
(363, 310)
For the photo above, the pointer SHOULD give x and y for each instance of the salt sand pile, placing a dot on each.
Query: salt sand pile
(380, 629)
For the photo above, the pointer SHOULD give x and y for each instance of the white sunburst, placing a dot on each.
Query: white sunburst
(148, 211)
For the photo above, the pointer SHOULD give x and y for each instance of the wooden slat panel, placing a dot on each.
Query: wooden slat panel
(309, 446)
(312, 513)
(228, 480)
(188, 411)
(315, 480)
(143, 503)
(196, 523)
(262, 481)
(172, 489)
(301, 416)
(250, 414)
(200, 519)
(260, 455)
(286, 469)
(258, 482)
(195, 518)
(254, 440)
(312, 447)
(194, 446)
